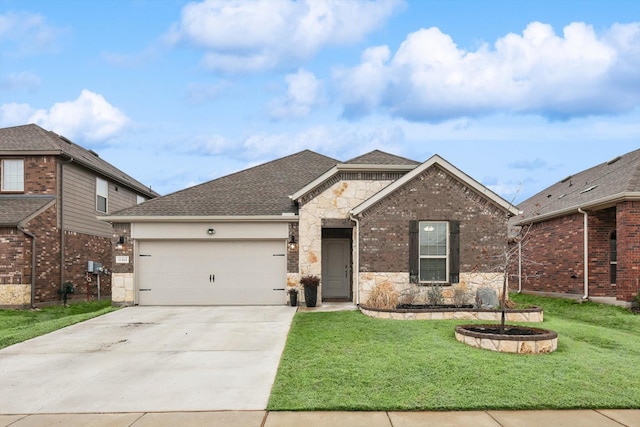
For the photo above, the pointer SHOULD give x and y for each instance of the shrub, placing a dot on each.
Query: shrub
(434, 295)
(383, 296)
(411, 294)
(461, 295)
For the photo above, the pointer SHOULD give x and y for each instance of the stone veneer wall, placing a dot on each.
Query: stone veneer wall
(400, 282)
(122, 276)
(334, 202)
(526, 316)
(122, 290)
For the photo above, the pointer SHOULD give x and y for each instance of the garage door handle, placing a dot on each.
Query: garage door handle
(278, 289)
(212, 278)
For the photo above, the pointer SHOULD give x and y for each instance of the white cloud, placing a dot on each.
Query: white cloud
(304, 91)
(430, 79)
(342, 143)
(255, 35)
(210, 145)
(25, 33)
(88, 118)
(20, 81)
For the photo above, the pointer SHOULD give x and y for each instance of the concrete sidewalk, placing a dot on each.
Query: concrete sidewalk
(559, 418)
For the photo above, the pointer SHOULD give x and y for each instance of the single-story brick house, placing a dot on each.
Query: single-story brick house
(243, 238)
(582, 234)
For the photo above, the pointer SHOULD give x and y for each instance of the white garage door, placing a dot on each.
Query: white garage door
(211, 273)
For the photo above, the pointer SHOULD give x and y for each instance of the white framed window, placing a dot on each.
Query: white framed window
(434, 251)
(613, 257)
(102, 195)
(12, 175)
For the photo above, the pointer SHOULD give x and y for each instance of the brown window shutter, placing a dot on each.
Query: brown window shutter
(454, 251)
(414, 253)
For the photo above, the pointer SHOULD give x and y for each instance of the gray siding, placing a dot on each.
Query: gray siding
(79, 202)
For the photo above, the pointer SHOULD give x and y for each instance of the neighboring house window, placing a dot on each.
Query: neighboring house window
(613, 257)
(140, 199)
(434, 251)
(13, 175)
(102, 195)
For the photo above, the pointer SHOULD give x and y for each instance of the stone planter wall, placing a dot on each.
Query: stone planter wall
(513, 315)
(544, 342)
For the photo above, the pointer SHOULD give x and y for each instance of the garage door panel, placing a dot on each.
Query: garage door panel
(211, 273)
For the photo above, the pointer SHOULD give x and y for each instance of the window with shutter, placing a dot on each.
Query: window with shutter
(434, 251)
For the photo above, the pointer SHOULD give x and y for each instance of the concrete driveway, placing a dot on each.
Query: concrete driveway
(147, 359)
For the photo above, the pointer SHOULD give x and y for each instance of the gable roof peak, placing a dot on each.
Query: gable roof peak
(378, 157)
(450, 169)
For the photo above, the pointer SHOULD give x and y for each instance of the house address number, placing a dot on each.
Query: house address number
(122, 259)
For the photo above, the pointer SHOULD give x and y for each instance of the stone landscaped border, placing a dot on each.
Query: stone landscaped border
(534, 314)
(544, 341)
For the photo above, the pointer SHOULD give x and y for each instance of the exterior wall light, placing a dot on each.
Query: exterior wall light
(120, 243)
(292, 242)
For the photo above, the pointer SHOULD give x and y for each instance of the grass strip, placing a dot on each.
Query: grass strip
(348, 361)
(20, 325)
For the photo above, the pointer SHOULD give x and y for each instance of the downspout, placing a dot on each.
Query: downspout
(586, 252)
(33, 263)
(357, 259)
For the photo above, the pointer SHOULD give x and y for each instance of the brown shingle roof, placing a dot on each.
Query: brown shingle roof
(377, 157)
(257, 191)
(32, 139)
(617, 176)
(15, 209)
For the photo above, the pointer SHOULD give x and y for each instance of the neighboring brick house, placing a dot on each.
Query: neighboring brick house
(51, 192)
(378, 218)
(582, 234)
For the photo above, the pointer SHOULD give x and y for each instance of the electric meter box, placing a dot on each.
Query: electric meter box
(94, 267)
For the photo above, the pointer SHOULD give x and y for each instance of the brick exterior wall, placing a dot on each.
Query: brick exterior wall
(126, 249)
(628, 233)
(40, 175)
(553, 253)
(552, 256)
(80, 248)
(47, 280)
(293, 254)
(601, 225)
(437, 196)
(13, 247)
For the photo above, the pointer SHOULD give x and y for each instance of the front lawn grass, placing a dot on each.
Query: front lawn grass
(20, 325)
(348, 361)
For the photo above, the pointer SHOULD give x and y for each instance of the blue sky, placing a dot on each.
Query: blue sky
(517, 94)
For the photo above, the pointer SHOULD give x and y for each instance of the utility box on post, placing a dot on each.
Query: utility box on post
(94, 267)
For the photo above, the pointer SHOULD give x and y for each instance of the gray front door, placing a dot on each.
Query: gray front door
(336, 268)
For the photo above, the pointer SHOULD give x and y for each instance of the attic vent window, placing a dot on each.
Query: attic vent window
(588, 189)
(615, 159)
